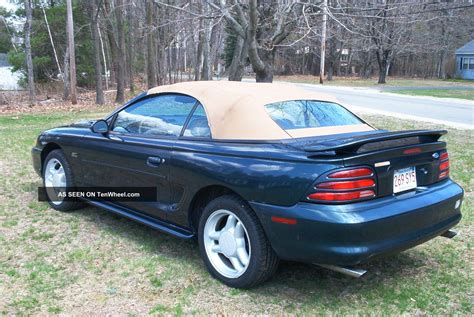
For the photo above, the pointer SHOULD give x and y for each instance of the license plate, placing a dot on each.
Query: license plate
(404, 179)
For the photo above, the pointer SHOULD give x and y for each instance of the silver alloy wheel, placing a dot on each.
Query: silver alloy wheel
(54, 180)
(227, 243)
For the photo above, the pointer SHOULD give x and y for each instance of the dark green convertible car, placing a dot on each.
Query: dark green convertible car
(258, 173)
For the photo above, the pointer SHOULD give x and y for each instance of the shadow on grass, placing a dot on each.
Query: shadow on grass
(304, 279)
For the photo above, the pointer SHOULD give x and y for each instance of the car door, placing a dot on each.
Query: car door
(191, 165)
(136, 151)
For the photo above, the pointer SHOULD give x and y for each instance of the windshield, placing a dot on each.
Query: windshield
(301, 114)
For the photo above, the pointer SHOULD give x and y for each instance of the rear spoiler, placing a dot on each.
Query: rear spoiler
(374, 141)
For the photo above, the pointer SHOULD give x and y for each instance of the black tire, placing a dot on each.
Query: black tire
(263, 261)
(65, 205)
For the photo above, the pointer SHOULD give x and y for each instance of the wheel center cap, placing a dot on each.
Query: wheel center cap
(227, 244)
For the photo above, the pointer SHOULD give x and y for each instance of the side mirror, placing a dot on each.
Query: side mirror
(100, 126)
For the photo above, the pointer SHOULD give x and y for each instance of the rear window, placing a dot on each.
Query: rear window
(302, 114)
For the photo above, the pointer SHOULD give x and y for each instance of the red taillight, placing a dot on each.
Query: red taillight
(345, 186)
(361, 183)
(443, 174)
(346, 196)
(414, 150)
(444, 165)
(357, 172)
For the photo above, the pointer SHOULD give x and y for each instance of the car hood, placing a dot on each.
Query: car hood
(81, 124)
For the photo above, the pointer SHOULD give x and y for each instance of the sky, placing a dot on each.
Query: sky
(7, 4)
(16, 22)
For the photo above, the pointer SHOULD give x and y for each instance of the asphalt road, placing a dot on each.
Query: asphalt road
(446, 111)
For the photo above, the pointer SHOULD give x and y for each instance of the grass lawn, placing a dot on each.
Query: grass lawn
(442, 93)
(93, 262)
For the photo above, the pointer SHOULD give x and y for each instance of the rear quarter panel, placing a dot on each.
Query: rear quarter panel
(270, 173)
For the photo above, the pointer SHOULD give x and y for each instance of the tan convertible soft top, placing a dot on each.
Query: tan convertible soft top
(236, 110)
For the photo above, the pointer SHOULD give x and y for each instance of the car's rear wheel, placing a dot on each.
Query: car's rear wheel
(57, 176)
(233, 244)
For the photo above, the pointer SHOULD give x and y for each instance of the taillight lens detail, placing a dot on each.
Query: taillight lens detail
(356, 172)
(361, 183)
(443, 174)
(345, 186)
(343, 196)
(443, 165)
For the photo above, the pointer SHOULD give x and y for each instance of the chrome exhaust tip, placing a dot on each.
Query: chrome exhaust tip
(449, 234)
(353, 272)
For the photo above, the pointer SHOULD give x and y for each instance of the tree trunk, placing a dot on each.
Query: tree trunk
(265, 75)
(106, 71)
(159, 38)
(365, 70)
(52, 42)
(150, 47)
(29, 59)
(236, 68)
(72, 54)
(383, 62)
(215, 45)
(262, 65)
(206, 67)
(314, 64)
(323, 42)
(121, 53)
(129, 50)
(111, 41)
(170, 75)
(66, 75)
(198, 59)
(206, 47)
(330, 70)
(442, 64)
(99, 92)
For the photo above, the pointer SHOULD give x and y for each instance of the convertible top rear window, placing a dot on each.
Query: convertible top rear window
(301, 114)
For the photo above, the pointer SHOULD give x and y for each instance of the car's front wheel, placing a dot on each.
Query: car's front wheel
(233, 244)
(57, 176)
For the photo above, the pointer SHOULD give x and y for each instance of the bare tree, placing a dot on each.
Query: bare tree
(262, 47)
(111, 41)
(130, 55)
(66, 87)
(72, 55)
(29, 59)
(323, 41)
(166, 41)
(94, 14)
(150, 45)
(206, 46)
(262, 27)
(121, 53)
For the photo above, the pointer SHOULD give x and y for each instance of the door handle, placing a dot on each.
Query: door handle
(154, 161)
(115, 138)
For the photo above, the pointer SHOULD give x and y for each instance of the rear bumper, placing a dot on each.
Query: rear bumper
(354, 233)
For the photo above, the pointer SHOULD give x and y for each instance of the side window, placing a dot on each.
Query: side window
(161, 116)
(198, 125)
